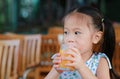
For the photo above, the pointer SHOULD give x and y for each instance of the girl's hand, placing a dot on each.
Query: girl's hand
(75, 58)
(56, 61)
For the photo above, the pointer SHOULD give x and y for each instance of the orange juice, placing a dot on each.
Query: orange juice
(63, 62)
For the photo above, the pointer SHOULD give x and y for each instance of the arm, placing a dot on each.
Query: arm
(53, 74)
(102, 71)
(86, 73)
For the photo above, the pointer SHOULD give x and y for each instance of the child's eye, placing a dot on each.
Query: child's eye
(65, 32)
(76, 33)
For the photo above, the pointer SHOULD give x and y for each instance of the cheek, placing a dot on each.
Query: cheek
(64, 39)
(80, 43)
(84, 44)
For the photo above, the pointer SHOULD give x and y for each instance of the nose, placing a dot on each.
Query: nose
(70, 39)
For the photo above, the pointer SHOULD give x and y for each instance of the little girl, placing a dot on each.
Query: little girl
(83, 28)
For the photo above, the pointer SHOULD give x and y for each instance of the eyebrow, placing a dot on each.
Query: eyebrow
(77, 29)
(73, 28)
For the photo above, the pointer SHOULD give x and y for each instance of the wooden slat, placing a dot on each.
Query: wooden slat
(9, 64)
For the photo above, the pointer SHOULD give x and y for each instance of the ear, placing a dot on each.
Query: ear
(97, 37)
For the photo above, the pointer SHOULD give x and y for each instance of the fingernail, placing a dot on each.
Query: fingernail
(53, 56)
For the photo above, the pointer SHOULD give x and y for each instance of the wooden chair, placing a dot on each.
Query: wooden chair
(30, 46)
(30, 51)
(49, 47)
(30, 55)
(117, 32)
(55, 30)
(116, 57)
(9, 53)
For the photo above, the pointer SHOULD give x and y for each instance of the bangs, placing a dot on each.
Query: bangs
(79, 18)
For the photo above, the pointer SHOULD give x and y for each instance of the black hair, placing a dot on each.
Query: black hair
(102, 24)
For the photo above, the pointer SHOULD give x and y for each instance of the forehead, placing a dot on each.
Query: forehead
(77, 19)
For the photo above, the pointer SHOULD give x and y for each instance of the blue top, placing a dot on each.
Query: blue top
(92, 64)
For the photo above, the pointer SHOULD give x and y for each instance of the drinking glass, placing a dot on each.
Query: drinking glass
(63, 49)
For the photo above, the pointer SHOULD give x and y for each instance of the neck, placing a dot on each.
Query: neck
(86, 56)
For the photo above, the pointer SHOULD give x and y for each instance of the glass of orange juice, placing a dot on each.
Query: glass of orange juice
(63, 49)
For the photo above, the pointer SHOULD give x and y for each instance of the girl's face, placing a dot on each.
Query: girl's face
(79, 32)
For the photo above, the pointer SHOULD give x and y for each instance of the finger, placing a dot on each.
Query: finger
(75, 50)
(72, 53)
(56, 66)
(70, 64)
(56, 61)
(69, 58)
(55, 55)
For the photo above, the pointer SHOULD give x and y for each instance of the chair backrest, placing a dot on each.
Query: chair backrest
(31, 50)
(116, 57)
(117, 32)
(9, 53)
(49, 46)
(55, 30)
(30, 46)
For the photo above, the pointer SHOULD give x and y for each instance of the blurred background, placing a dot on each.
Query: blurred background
(37, 25)
(36, 16)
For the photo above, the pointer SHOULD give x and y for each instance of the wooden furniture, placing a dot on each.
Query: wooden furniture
(116, 57)
(49, 46)
(9, 53)
(29, 51)
(117, 31)
(30, 46)
(55, 30)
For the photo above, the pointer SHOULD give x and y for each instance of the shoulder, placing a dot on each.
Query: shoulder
(103, 58)
(103, 63)
(103, 66)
